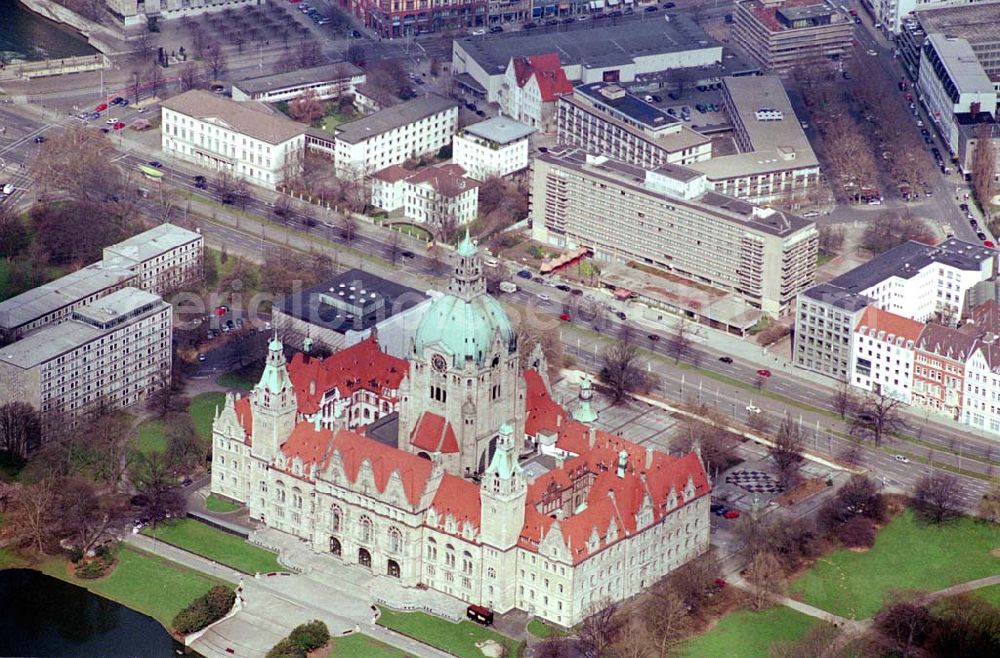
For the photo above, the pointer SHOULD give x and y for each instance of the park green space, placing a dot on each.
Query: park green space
(457, 639)
(357, 644)
(908, 554)
(539, 628)
(214, 544)
(150, 437)
(202, 410)
(220, 505)
(989, 594)
(749, 634)
(144, 582)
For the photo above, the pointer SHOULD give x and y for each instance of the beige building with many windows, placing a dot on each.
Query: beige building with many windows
(111, 353)
(670, 219)
(783, 34)
(245, 140)
(163, 258)
(448, 503)
(436, 195)
(395, 134)
(604, 118)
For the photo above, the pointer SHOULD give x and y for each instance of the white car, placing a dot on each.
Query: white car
(543, 297)
(111, 122)
(8, 188)
(492, 262)
(873, 53)
(903, 459)
(753, 409)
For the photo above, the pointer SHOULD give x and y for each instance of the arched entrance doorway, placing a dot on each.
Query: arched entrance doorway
(393, 569)
(364, 558)
(335, 546)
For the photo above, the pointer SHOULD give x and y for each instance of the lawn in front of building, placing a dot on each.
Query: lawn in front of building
(330, 122)
(144, 582)
(220, 505)
(539, 628)
(990, 594)
(202, 411)
(214, 544)
(358, 644)
(908, 554)
(457, 639)
(749, 634)
(243, 379)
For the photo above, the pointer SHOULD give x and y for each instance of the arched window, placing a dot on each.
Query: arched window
(449, 556)
(491, 573)
(365, 529)
(395, 540)
(297, 498)
(466, 562)
(336, 517)
(432, 549)
(280, 492)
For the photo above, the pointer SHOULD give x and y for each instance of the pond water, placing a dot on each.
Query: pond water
(45, 616)
(26, 35)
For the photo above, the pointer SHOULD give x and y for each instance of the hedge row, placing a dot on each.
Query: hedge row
(204, 610)
(303, 639)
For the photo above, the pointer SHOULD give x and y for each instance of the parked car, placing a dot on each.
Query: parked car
(654, 337)
(726, 359)
(524, 274)
(764, 372)
(101, 107)
(731, 514)
(719, 510)
(716, 507)
(39, 139)
(565, 317)
(563, 287)
(621, 316)
(903, 459)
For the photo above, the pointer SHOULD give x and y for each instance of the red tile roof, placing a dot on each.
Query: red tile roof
(434, 434)
(361, 366)
(355, 449)
(392, 174)
(244, 414)
(552, 80)
(876, 320)
(310, 445)
(447, 179)
(543, 413)
(459, 498)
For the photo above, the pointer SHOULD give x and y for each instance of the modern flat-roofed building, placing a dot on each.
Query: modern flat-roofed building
(953, 83)
(604, 118)
(163, 258)
(976, 22)
(138, 12)
(775, 163)
(247, 140)
(608, 53)
(395, 134)
(326, 82)
(914, 280)
(158, 260)
(111, 353)
(669, 218)
(494, 147)
(54, 302)
(398, 19)
(784, 34)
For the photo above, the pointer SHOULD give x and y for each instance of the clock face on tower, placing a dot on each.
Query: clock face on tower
(439, 363)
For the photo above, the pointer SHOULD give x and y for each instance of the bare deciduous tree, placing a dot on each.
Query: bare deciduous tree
(766, 573)
(989, 506)
(786, 451)
(877, 415)
(30, 515)
(905, 622)
(665, 617)
(679, 340)
(306, 107)
(843, 400)
(598, 629)
(936, 496)
(620, 373)
(892, 228)
(215, 60)
(20, 429)
(984, 165)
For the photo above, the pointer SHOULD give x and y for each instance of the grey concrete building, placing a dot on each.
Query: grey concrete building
(604, 118)
(782, 35)
(326, 82)
(112, 353)
(669, 218)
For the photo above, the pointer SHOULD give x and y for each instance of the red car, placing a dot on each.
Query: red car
(720, 583)
(565, 317)
(731, 514)
(764, 373)
(989, 243)
(118, 126)
(101, 107)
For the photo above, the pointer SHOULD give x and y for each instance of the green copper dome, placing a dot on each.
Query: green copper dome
(464, 329)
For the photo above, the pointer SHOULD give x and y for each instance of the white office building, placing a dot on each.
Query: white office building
(882, 353)
(495, 147)
(394, 135)
(246, 140)
(326, 82)
(439, 196)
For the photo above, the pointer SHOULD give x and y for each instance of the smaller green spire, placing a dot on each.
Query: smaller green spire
(466, 247)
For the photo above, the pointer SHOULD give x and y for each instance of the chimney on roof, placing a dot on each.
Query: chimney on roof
(592, 437)
(560, 459)
(312, 387)
(622, 462)
(649, 458)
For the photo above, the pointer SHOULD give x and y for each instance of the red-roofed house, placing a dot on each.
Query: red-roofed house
(882, 353)
(532, 87)
(607, 520)
(429, 195)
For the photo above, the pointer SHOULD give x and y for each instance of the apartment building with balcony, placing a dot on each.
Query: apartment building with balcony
(246, 140)
(395, 134)
(604, 118)
(111, 353)
(784, 34)
(775, 163)
(669, 218)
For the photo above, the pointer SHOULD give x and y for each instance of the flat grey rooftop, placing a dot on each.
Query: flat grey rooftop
(313, 75)
(50, 297)
(629, 105)
(393, 117)
(500, 129)
(599, 46)
(961, 63)
(718, 205)
(978, 22)
(833, 295)
(152, 243)
(117, 304)
(909, 258)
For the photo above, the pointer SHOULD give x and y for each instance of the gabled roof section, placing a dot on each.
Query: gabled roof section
(355, 449)
(313, 446)
(433, 434)
(459, 498)
(252, 119)
(874, 321)
(547, 71)
(362, 366)
(245, 415)
(543, 413)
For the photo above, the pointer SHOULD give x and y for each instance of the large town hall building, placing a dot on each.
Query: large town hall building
(449, 503)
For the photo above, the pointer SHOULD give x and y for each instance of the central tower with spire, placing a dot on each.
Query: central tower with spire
(273, 405)
(464, 379)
